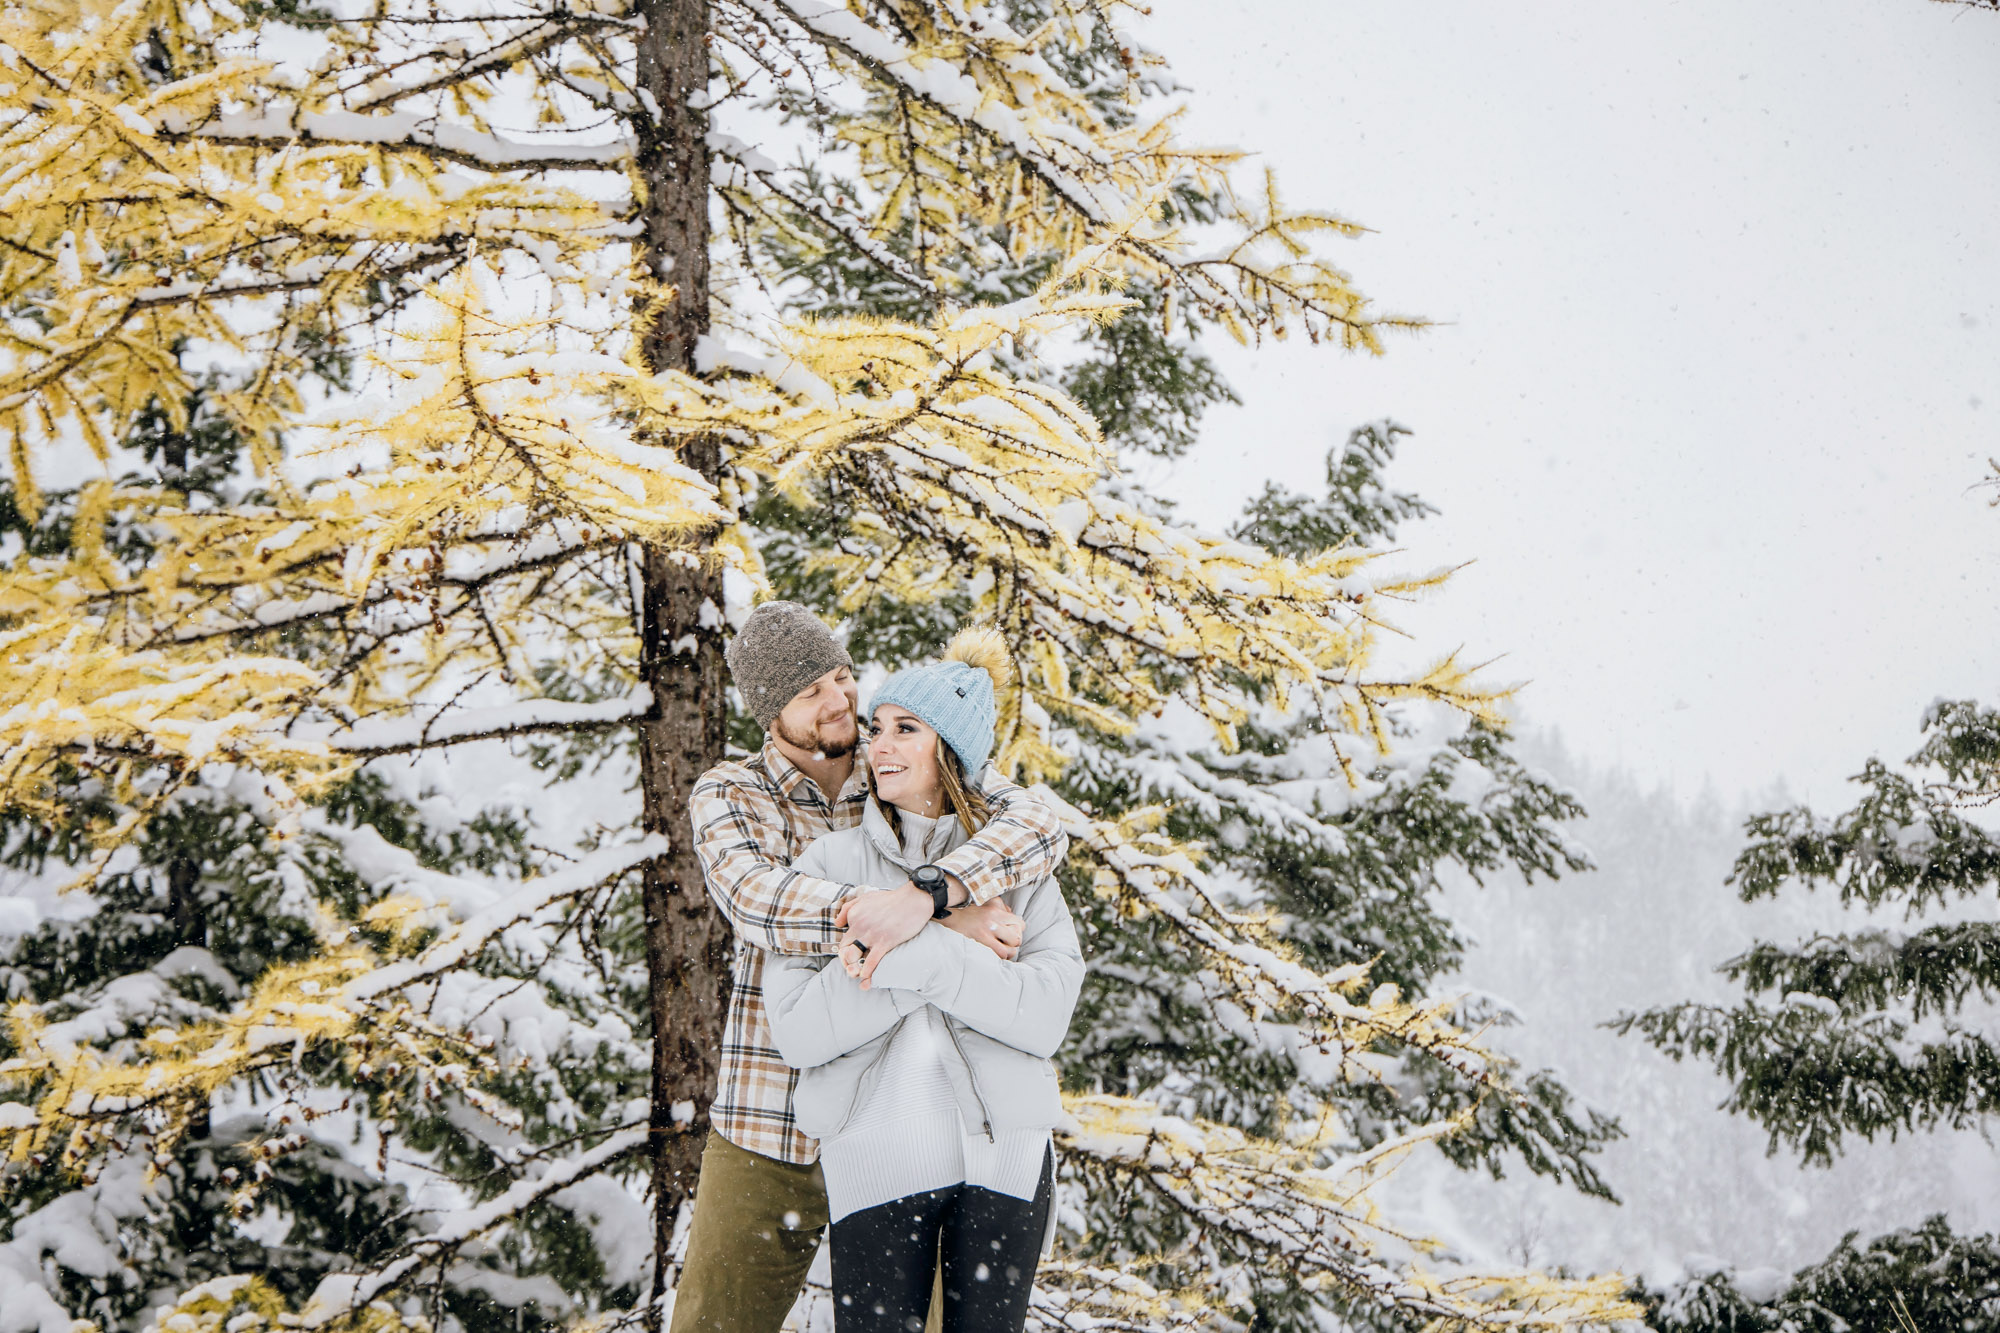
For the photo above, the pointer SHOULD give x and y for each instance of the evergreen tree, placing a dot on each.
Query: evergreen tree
(462, 377)
(1922, 1278)
(1878, 1030)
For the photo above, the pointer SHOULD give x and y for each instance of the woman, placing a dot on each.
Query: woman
(931, 1093)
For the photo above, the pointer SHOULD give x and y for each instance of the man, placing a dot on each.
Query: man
(761, 1203)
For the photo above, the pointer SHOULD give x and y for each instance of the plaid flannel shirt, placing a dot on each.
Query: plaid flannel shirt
(751, 820)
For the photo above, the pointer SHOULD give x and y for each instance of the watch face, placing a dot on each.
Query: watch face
(927, 876)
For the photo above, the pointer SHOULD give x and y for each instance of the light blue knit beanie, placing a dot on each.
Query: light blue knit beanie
(954, 697)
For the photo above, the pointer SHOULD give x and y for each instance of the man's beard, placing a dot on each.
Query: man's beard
(817, 742)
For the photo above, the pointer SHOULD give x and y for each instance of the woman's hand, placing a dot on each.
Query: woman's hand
(877, 922)
(994, 925)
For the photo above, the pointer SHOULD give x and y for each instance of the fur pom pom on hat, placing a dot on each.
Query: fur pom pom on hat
(957, 697)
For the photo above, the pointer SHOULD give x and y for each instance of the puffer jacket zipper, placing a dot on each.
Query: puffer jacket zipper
(861, 1085)
(894, 856)
(985, 1115)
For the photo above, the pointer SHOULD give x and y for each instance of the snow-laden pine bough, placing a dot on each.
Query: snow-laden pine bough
(399, 1003)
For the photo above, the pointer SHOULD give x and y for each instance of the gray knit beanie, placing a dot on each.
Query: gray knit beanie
(780, 650)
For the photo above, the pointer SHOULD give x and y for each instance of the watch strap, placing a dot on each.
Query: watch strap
(932, 880)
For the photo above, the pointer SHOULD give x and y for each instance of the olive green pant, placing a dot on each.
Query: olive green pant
(756, 1226)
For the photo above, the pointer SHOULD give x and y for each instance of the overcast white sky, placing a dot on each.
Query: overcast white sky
(1722, 364)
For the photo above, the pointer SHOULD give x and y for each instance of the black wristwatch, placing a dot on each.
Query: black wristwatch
(932, 881)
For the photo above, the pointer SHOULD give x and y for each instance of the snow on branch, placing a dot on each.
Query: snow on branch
(1312, 1204)
(277, 124)
(1094, 1298)
(507, 453)
(850, 231)
(462, 943)
(69, 689)
(943, 84)
(469, 567)
(942, 464)
(537, 35)
(373, 736)
(342, 1294)
(348, 999)
(1151, 874)
(1056, 172)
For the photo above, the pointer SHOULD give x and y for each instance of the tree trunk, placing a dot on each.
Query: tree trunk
(187, 914)
(687, 940)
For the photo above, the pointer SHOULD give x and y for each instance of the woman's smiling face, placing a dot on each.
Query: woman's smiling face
(902, 752)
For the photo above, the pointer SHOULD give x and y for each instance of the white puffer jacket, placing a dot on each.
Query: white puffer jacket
(1005, 1018)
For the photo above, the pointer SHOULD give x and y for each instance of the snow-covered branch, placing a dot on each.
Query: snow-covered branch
(539, 34)
(277, 125)
(469, 567)
(951, 91)
(341, 1294)
(1155, 873)
(1311, 1204)
(462, 943)
(378, 735)
(849, 230)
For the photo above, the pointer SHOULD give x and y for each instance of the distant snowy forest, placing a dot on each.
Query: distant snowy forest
(1700, 1190)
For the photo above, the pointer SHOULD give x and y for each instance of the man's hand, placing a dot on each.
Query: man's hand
(993, 925)
(878, 922)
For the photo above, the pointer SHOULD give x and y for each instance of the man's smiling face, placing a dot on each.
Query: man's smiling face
(820, 719)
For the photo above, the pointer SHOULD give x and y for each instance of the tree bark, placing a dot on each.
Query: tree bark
(187, 914)
(687, 940)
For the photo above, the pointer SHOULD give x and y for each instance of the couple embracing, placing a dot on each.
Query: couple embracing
(905, 969)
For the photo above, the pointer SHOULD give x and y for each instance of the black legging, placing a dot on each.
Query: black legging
(883, 1259)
